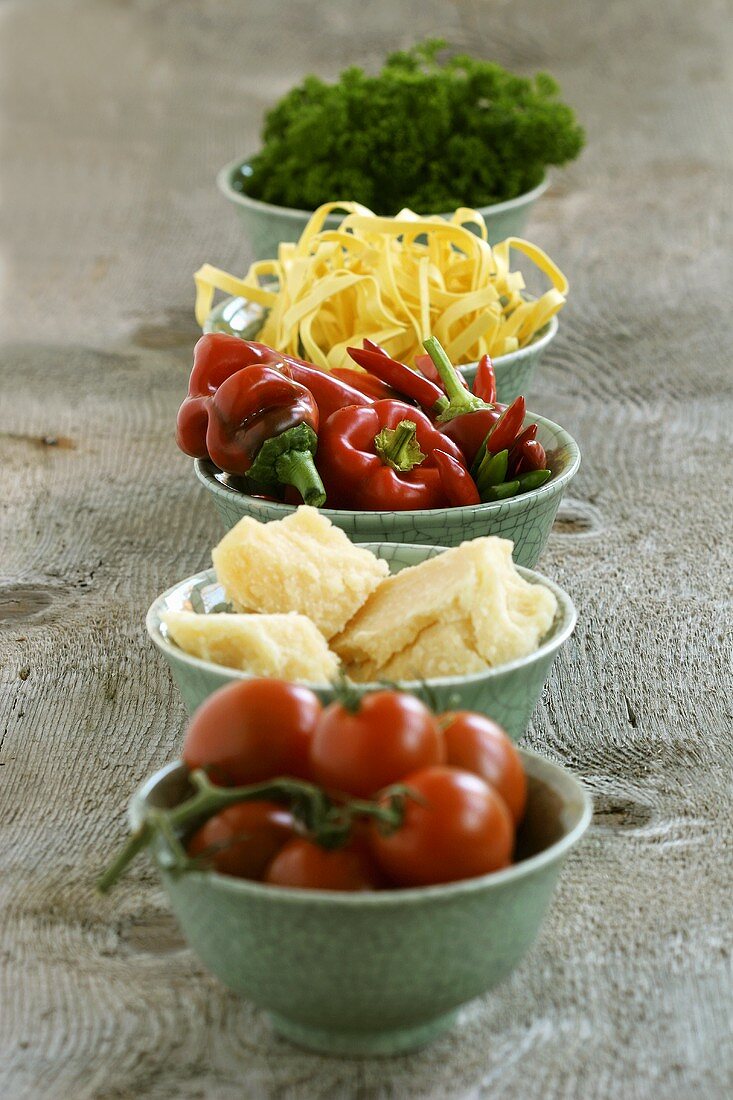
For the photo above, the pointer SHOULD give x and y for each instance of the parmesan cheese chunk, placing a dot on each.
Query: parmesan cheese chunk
(510, 616)
(443, 649)
(301, 563)
(285, 646)
(453, 614)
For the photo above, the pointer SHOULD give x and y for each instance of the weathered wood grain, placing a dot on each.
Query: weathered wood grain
(116, 116)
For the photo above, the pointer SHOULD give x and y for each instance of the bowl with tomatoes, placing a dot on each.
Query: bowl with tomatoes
(358, 871)
(509, 692)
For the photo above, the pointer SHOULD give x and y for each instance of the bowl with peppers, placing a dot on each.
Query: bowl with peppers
(390, 453)
(359, 871)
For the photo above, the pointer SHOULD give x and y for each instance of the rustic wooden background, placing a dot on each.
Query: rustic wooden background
(116, 115)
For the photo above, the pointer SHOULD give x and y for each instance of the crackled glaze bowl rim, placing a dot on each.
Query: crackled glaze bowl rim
(559, 779)
(225, 185)
(559, 632)
(204, 468)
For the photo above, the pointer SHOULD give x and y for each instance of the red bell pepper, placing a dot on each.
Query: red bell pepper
(459, 486)
(407, 382)
(262, 425)
(381, 458)
(330, 392)
(468, 419)
(469, 431)
(217, 356)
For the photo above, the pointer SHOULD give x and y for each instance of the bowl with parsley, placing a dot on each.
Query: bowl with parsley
(429, 133)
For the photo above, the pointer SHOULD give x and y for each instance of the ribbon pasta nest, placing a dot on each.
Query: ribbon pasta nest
(396, 281)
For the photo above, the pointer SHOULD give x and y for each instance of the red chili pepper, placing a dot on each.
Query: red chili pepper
(371, 345)
(459, 486)
(527, 456)
(217, 356)
(484, 384)
(407, 382)
(530, 432)
(381, 458)
(261, 424)
(515, 456)
(503, 434)
(426, 366)
(367, 384)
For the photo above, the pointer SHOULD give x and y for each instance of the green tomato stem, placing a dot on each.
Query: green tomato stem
(326, 823)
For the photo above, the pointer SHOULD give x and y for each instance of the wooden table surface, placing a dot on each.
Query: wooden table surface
(117, 114)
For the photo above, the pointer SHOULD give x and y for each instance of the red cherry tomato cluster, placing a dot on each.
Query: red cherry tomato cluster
(391, 439)
(456, 779)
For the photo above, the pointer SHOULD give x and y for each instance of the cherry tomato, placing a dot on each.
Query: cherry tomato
(253, 730)
(361, 752)
(479, 745)
(306, 865)
(459, 828)
(243, 838)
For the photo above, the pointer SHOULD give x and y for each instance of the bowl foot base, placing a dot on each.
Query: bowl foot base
(395, 1040)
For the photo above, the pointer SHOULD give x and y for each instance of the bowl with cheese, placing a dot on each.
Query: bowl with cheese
(373, 972)
(462, 627)
(525, 519)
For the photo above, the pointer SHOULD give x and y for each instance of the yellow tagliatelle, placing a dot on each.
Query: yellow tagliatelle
(395, 280)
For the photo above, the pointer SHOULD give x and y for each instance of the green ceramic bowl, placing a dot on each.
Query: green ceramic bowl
(374, 973)
(526, 519)
(266, 225)
(514, 372)
(508, 694)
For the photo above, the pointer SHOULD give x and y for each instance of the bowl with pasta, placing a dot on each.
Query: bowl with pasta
(515, 371)
(394, 281)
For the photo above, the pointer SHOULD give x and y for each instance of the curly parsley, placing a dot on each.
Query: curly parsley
(423, 133)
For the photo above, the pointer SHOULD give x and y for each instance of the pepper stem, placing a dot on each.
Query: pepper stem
(461, 400)
(298, 468)
(398, 447)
